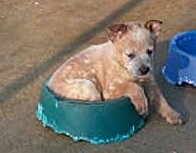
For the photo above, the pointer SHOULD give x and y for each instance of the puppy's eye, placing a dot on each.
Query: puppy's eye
(131, 55)
(149, 52)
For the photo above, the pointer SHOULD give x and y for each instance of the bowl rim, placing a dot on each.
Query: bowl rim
(174, 40)
(82, 102)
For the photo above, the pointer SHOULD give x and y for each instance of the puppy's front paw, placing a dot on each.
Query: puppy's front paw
(174, 118)
(141, 106)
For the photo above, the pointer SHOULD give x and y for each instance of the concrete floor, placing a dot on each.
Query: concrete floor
(37, 36)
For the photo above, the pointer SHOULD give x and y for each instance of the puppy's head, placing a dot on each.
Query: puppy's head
(135, 45)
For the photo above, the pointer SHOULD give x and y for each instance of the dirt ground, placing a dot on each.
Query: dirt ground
(36, 36)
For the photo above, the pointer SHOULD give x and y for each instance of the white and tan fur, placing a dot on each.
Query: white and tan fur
(122, 66)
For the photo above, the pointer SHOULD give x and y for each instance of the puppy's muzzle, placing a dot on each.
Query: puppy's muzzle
(144, 70)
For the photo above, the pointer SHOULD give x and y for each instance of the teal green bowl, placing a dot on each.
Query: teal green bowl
(96, 122)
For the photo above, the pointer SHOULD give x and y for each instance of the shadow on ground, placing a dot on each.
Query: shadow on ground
(174, 94)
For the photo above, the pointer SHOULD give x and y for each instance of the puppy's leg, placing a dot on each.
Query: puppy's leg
(138, 97)
(161, 105)
(78, 89)
(136, 94)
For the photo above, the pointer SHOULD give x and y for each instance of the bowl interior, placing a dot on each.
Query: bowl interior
(187, 43)
(83, 102)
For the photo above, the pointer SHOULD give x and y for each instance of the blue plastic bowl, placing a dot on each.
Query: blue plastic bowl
(96, 122)
(180, 66)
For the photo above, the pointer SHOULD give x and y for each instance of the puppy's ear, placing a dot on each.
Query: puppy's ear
(154, 26)
(116, 31)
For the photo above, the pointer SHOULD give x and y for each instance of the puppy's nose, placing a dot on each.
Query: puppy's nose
(144, 70)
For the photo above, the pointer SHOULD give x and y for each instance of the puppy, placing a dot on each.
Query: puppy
(122, 66)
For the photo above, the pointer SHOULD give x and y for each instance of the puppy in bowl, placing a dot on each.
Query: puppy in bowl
(122, 66)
